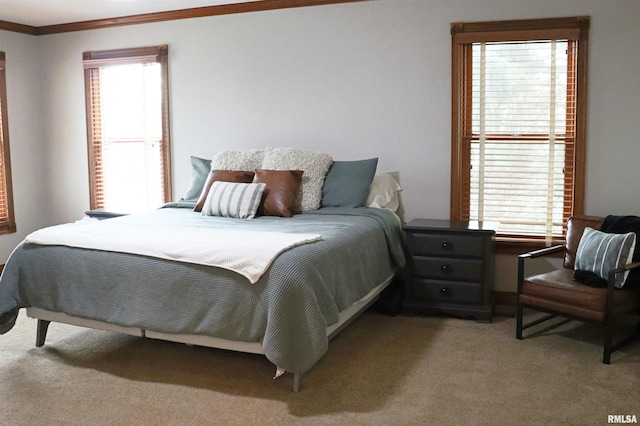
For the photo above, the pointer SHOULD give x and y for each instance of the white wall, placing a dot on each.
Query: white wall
(351, 81)
(29, 166)
(356, 80)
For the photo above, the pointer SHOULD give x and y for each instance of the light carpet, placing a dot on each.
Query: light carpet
(382, 370)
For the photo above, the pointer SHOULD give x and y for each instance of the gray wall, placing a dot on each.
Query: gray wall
(355, 80)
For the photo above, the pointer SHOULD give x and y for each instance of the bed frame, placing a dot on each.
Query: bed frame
(346, 317)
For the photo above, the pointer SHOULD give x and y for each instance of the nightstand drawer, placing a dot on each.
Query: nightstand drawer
(456, 269)
(435, 244)
(446, 291)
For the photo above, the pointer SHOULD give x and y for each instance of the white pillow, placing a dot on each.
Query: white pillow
(383, 192)
(315, 166)
(231, 199)
(243, 159)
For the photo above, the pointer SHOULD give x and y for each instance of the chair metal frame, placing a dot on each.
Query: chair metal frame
(607, 323)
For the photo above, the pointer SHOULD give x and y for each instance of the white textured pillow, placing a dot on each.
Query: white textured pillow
(383, 192)
(231, 199)
(243, 159)
(315, 166)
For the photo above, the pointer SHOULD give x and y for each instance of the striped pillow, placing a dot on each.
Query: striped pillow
(231, 199)
(600, 252)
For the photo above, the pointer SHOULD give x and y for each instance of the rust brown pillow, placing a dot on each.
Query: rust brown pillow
(280, 193)
(238, 176)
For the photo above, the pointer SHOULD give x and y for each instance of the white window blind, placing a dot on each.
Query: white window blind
(519, 114)
(521, 130)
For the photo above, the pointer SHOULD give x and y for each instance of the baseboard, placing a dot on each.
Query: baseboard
(504, 303)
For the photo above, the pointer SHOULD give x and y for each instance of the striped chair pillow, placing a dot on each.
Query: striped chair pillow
(231, 199)
(600, 252)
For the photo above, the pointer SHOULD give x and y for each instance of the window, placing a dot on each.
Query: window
(518, 124)
(7, 219)
(128, 128)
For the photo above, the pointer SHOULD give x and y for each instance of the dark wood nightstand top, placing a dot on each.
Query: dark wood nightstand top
(451, 225)
(103, 214)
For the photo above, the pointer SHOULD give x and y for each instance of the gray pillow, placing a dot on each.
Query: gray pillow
(601, 252)
(347, 183)
(200, 169)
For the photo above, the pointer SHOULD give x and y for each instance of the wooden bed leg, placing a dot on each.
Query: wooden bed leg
(296, 382)
(41, 332)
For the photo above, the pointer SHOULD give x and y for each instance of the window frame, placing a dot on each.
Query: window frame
(8, 224)
(463, 35)
(93, 60)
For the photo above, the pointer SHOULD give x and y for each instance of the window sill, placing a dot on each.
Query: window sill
(7, 228)
(510, 246)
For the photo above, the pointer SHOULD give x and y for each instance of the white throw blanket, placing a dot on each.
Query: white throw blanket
(249, 253)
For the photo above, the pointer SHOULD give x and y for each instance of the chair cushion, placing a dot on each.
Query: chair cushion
(556, 290)
(575, 228)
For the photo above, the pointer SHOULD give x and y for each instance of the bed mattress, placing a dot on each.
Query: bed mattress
(287, 311)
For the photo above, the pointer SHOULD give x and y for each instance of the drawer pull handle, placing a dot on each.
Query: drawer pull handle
(446, 269)
(445, 291)
(446, 246)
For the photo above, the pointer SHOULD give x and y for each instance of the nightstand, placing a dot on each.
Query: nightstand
(450, 267)
(101, 214)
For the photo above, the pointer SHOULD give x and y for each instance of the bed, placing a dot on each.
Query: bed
(306, 294)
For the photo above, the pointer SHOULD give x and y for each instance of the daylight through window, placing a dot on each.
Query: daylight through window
(128, 137)
(519, 120)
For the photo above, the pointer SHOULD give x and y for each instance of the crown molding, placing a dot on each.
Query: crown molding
(18, 28)
(172, 15)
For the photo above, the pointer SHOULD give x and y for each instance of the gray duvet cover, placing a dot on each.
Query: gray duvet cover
(287, 310)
